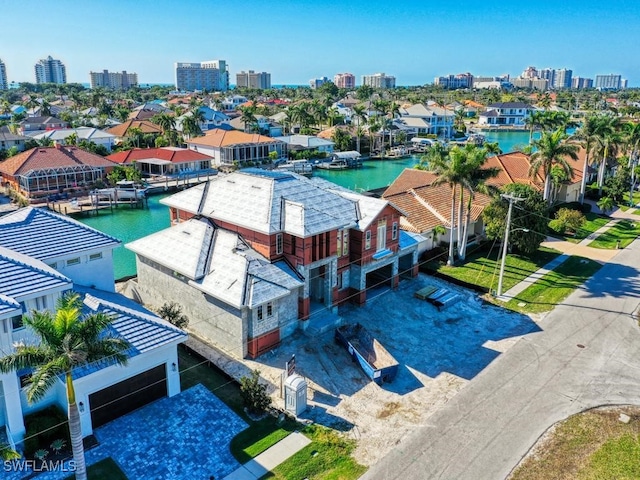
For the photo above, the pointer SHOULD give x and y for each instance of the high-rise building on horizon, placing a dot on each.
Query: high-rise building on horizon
(580, 83)
(562, 78)
(252, 79)
(344, 80)
(210, 75)
(50, 70)
(4, 84)
(461, 80)
(608, 82)
(115, 80)
(317, 82)
(379, 80)
(530, 72)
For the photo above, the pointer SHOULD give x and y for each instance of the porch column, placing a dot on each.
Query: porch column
(395, 278)
(13, 407)
(415, 266)
(173, 372)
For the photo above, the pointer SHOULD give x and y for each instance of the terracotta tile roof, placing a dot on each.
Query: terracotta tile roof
(50, 157)
(472, 104)
(223, 138)
(144, 125)
(171, 154)
(408, 179)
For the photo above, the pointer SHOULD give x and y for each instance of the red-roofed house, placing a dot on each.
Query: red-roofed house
(42, 171)
(164, 161)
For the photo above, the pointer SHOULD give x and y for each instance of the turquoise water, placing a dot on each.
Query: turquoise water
(372, 174)
(128, 224)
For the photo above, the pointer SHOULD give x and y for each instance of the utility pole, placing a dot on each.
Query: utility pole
(511, 199)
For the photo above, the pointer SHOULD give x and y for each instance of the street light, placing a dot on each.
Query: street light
(511, 199)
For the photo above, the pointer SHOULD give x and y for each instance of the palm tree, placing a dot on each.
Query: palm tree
(552, 149)
(248, 116)
(67, 340)
(165, 121)
(632, 138)
(587, 134)
(449, 169)
(533, 121)
(190, 126)
(135, 135)
(607, 142)
(360, 116)
(474, 180)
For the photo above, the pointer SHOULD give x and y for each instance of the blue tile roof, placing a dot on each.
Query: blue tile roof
(9, 306)
(407, 240)
(42, 234)
(142, 329)
(21, 276)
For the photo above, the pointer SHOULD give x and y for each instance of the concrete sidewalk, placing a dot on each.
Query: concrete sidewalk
(270, 458)
(568, 249)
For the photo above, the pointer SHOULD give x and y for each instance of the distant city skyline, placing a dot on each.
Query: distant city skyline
(295, 41)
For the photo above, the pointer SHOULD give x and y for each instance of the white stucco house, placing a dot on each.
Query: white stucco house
(426, 119)
(77, 251)
(103, 391)
(506, 114)
(308, 142)
(90, 134)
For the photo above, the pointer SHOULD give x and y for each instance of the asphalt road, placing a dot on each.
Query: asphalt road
(587, 355)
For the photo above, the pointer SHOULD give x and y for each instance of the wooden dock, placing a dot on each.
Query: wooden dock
(92, 205)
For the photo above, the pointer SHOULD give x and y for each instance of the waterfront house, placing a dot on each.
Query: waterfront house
(44, 171)
(122, 130)
(505, 114)
(90, 134)
(148, 110)
(233, 102)
(33, 125)
(234, 148)
(427, 206)
(103, 391)
(426, 120)
(9, 140)
(77, 251)
(263, 125)
(210, 119)
(308, 143)
(256, 254)
(164, 161)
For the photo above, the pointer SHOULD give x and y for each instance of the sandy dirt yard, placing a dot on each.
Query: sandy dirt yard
(438, 352)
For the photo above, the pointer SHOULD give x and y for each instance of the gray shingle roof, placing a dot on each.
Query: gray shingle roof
(8, 306)
(42, 234)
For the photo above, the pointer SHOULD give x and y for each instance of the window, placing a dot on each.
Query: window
(345, 242)
(293, 245)
(73, 261)
(394, 231)
(17, 323)
(339, 244)
(25, 380)
(95, 256)
(265, 309)
(367, 240)
(382, 235)
(41, 303)
(269, 309)
(279, 244)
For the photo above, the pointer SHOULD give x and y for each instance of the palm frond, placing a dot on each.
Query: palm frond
(43, 378)
(25, 356)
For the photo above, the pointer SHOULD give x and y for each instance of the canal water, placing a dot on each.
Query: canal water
(128, 224)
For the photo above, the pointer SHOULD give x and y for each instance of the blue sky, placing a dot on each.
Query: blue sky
(296, 40)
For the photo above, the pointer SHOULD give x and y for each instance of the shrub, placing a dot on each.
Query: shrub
(567, 220)
(172, 313)
(43, 428)
(254, 393)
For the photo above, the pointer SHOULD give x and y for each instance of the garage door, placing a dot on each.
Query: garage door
(124, 397)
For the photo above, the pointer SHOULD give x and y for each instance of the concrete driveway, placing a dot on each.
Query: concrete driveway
(586, 355)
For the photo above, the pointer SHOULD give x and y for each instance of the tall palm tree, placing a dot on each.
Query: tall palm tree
(449, 169)
(552, 149)
(608, 139)
(632, 139)
(248, 116)
(533, 121)
(587, 135)
(67, 340)
(360, 116)
(165, 121)
(190, 126)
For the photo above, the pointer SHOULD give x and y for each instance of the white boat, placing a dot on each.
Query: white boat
(335, 164)
(124, 190)
(303, 167)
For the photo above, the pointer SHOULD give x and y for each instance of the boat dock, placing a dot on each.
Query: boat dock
(92, 204)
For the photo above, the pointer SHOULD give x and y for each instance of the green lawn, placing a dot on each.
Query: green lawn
(328, 456)
(260, 436)
(624, 232)
(106, 469)
(555, 286)
(592, 223)
(593, 445)
(483, 268)
(636, 198)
